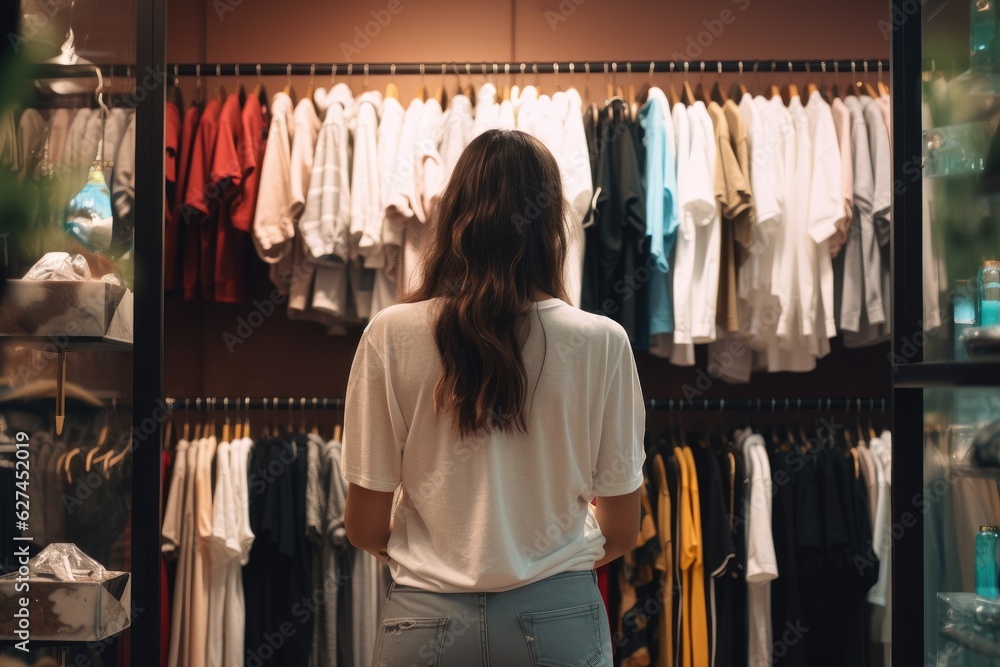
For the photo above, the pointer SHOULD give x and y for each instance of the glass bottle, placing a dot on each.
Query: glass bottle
(986, 562)
(964, 315)
(983, 38)
(989, 294)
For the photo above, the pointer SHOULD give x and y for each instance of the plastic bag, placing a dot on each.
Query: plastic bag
(88, 216)
(66, 562)
(59, 266)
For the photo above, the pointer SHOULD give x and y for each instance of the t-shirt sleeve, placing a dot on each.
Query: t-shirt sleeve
(372, 454)
(620, 453)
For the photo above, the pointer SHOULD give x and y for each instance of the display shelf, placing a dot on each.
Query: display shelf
(70, 343)
(928, 374)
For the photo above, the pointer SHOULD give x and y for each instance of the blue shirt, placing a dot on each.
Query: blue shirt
(661, 213)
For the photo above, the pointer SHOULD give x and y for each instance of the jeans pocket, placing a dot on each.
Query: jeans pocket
(411, 642)
(564, 638)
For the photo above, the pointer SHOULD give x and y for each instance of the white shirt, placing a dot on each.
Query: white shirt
(492, 513)
(457, 133)
(708, 230)
(273, 223)
(578, 186)
(762, 564)
(326, 220)
(366, 197)
(826, 205)
(400, 191)
(684, 258)
(487, 110)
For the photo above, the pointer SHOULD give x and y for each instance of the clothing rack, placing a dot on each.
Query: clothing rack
(639, 67)
(858, 65)
(231, 404)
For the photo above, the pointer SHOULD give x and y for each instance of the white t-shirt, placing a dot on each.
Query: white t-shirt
(762, 564)
(826, 206)
(708, 230)
(492, 513)
(684, 253)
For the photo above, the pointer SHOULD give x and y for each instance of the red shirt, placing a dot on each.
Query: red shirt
(200, 207)
(228, 171)
(255, 123)
(176, 225)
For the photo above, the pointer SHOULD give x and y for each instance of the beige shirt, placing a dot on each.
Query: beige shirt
(201, 566)
(732, 192)
(842, 124)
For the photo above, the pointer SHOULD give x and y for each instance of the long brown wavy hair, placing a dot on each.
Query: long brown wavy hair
(498, 238)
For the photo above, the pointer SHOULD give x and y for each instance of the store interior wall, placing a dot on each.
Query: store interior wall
(293, 359)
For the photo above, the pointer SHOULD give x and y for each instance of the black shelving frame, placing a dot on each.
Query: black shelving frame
(911, 374)
(147, 361)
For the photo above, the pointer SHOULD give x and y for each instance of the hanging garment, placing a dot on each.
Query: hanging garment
(201, 208)
(661, 209)
(229, 167)
(695, 650)
(276, 214)
(176, 235)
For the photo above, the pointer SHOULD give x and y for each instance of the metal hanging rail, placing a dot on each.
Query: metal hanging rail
(858, 65)
(666, 404)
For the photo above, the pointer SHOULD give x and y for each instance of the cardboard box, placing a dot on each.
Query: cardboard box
(59, 307)
(70, 611)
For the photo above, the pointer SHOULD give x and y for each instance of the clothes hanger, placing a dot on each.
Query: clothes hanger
(102, 438)
(868, 88)
(883, 89)
(791, 90)
(289, 89)
(240, 93)
(646, 87)
(391, 90)
(738, 89)
(199, 96)
(701, 91)
(633, 109)
(538, 81)
(187, 424)
(835, 90)
(317, 426)
(811, 86)
(672, 95)
(258, 89)
(469, 90)
(586, 85)
(688, 94)
(718, 95)
(440, 94)
(555, 72)
(177, 96)
(311, 89)
(610, 81)
(220, 90)
(237, 424)
(773, 90)
(226, 423)
(422, 86)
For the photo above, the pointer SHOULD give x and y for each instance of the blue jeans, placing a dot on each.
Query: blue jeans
(557, 622)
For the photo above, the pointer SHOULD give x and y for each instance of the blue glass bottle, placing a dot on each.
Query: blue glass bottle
(986, 562)
(989, 294)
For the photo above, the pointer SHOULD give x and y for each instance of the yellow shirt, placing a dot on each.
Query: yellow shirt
(694, 628)
(665, 563)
